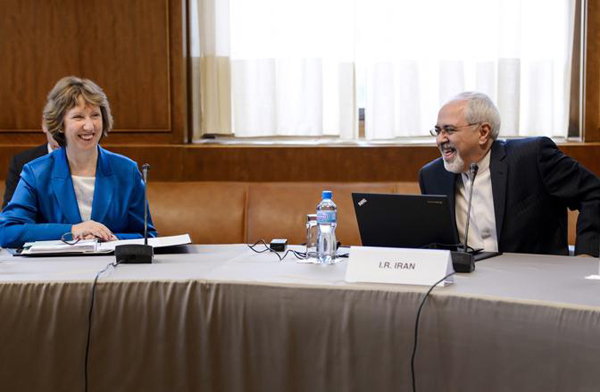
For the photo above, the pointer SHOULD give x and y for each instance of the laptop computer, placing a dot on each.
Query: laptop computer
(403, 221)
(407, 221)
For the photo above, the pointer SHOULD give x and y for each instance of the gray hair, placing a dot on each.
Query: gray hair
(480, 108)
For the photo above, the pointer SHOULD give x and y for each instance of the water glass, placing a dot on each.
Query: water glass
(311, 236)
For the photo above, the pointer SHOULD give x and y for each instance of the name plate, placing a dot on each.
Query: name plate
(399, 265)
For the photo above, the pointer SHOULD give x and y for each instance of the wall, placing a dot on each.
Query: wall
(592, 75)
(135, 50)
(335, 164)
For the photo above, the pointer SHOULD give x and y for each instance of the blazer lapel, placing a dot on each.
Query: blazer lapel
(62, 185)
(499, 174)
(103, 188)
(450, 183)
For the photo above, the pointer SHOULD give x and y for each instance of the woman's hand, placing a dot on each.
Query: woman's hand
(91, 229)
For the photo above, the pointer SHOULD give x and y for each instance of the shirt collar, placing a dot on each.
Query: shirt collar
(484, 164)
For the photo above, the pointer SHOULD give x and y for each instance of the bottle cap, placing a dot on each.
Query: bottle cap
(326, 195)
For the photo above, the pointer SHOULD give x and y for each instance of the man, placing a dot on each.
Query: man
(19, 160)
(522, 188)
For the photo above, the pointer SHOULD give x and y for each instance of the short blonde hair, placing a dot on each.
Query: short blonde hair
(64, 96)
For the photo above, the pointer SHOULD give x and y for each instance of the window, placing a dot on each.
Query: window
(270, 68)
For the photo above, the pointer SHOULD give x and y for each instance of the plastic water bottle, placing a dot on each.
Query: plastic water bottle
(326, 222)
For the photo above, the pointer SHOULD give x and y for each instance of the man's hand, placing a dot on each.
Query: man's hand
(91, 229)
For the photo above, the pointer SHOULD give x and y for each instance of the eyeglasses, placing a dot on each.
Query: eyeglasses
(448, 129)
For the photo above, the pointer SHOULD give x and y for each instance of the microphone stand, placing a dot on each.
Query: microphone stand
(462, 259)
(473, 169)
(146, 167)
(138, 253)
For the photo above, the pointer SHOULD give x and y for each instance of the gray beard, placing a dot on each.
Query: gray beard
(456, 166)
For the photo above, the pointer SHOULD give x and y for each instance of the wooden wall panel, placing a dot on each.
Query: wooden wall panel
(592, 74)
(124, 46)
(178, 61)
(335, 164)
(587, 154)
(346, 164)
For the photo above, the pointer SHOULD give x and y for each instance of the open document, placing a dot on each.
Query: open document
(95, 246)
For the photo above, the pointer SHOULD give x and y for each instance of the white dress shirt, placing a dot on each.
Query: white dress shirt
(482, 226)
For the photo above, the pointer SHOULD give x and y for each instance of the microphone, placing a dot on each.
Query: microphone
(462, 260)
(138, 253)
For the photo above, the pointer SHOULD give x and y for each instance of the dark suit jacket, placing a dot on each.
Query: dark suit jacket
(44, 205)
(533, 184)
(16, 165)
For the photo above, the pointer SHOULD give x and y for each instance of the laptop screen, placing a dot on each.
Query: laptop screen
(404, 221)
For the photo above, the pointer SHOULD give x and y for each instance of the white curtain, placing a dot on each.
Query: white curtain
(418, 54)
(277, 68)
(302, 67)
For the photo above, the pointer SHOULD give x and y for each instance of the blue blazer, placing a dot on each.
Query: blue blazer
(533, 184)
(44, 206)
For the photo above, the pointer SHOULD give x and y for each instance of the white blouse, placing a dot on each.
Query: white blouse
(84, 192)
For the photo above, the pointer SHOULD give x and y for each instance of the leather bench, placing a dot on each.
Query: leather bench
(245, 212)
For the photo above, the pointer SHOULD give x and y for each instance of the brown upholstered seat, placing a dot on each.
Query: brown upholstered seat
(211, 212)
(243, 212)
(278, 210)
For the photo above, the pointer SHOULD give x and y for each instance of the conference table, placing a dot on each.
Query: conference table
(223, 318)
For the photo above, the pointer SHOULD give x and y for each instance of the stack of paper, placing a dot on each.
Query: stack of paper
(48, 247)
(157, 242)
(97, 247)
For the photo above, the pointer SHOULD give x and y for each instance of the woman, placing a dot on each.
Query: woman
(81, 188)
